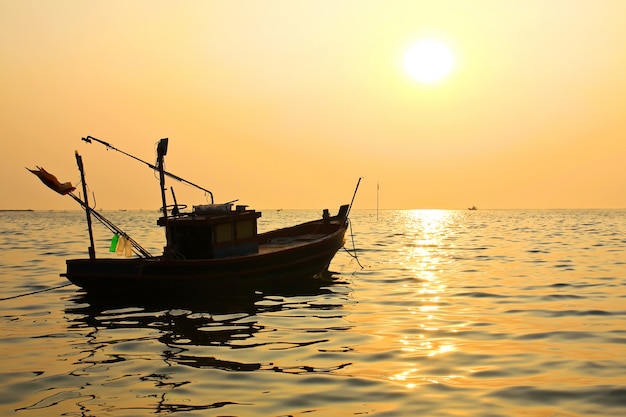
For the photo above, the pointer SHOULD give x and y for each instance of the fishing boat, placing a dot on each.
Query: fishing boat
(212, 245)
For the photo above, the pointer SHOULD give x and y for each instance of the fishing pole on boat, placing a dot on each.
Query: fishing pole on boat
(66, 188)
(353, 196)
(89, 139)
(137, 248)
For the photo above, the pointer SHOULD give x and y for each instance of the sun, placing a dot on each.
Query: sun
(428, 61)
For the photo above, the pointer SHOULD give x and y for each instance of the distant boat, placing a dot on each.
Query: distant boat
(213, 245)
(472, 208)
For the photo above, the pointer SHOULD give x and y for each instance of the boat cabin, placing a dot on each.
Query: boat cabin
(211, 231)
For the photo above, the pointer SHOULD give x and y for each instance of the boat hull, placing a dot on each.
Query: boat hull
(271, 265)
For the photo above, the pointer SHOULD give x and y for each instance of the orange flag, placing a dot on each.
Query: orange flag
(52, 182)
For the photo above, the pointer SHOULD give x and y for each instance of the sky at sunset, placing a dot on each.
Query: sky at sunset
(285, 104)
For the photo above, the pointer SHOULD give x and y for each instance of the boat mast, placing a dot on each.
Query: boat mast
(79, 161)
(161, 152)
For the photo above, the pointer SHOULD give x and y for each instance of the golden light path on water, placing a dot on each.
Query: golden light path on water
(414, 326)
(452, 320)
(425, 259)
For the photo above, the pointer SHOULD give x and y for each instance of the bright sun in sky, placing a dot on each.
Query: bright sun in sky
(428, 61)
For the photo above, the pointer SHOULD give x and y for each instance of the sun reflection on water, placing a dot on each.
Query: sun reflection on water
(428, 234)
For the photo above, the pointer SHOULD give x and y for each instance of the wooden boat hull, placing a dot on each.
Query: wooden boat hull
(284, 255)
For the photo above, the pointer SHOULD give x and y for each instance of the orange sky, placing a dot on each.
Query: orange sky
(285, 104)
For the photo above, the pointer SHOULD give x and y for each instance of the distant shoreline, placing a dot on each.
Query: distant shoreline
(17, 210)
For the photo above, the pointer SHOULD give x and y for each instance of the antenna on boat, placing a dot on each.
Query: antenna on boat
(161, 152)
(88, 139)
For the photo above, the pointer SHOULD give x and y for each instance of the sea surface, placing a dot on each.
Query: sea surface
(441, 313)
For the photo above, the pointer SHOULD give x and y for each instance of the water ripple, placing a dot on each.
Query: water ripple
(456, 313)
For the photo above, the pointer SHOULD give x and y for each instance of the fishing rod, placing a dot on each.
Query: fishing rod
(353, 196)
(88, 139)
(53, 183)
(112, 227)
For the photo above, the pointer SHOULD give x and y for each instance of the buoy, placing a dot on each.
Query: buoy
(128, 250)
(114, 243)
(121, 244)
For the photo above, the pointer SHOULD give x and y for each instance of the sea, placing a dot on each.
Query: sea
(487, 313)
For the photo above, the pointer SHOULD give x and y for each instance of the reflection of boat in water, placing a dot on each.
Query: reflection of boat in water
(154, 355)
(213, 245)
(472, 208)
(181, 322)
(186, 325)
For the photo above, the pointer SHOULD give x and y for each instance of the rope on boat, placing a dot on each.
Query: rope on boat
(36, 292)
(353, 253)
(137, 248)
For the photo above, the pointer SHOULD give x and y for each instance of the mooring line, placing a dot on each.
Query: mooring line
(354, 255)
(36, 292)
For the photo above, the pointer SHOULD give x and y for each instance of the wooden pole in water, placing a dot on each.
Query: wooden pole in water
(79, 161)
